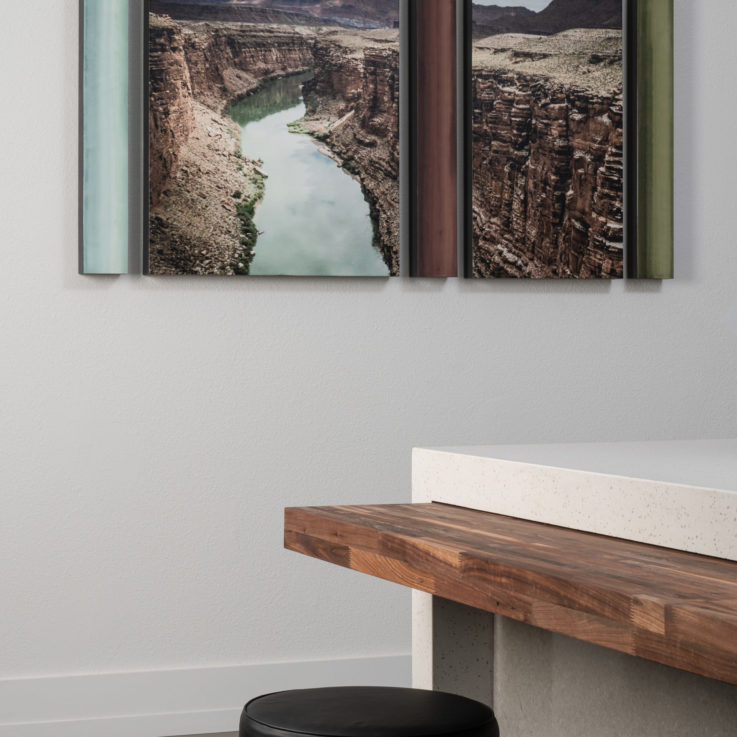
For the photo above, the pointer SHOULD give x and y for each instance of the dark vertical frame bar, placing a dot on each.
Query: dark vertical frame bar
(630, 136)
(411, 101)
(468, 138)
(80, 141)
(434, 129)
(136, 139)
(146, 184)
(650, 139)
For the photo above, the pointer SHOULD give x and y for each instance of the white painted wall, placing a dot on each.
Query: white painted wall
(152, 430)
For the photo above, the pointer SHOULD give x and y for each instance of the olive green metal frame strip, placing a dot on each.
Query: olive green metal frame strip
(651, 139)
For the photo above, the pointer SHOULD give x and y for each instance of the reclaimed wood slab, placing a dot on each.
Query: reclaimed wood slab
(668, 606)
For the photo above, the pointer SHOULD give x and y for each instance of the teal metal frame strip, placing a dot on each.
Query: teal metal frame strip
(104, 137)
(650, 207)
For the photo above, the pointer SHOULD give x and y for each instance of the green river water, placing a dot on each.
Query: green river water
(313, 219)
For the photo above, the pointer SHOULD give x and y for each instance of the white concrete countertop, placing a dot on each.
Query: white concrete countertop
(678, 494)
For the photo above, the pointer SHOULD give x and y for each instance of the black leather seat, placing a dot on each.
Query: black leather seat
(366, 712)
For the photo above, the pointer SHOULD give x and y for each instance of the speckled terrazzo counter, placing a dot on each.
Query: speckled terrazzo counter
(680, 495)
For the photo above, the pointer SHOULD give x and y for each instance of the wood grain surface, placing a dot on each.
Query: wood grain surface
(671, 607)
(434, 122)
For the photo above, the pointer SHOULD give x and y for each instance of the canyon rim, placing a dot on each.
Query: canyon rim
(546, 134)
(273, 134)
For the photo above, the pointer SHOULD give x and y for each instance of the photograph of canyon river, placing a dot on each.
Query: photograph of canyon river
(546, 136)
(274, 137)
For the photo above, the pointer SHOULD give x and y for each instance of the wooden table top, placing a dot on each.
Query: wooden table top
(668, 606)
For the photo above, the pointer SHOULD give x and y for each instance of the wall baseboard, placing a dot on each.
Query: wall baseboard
(165, 703)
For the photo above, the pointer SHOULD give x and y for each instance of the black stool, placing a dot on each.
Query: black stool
(366, 712)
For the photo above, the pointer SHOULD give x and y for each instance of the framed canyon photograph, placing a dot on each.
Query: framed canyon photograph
(545, 141)
(273, 137)
(554, 87)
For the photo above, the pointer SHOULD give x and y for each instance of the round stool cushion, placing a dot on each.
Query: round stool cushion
(366, 712)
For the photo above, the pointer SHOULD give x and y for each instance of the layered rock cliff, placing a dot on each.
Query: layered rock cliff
(171, 105)
(202, 191)
(353, 105)
(548, 156)
(229, 60)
